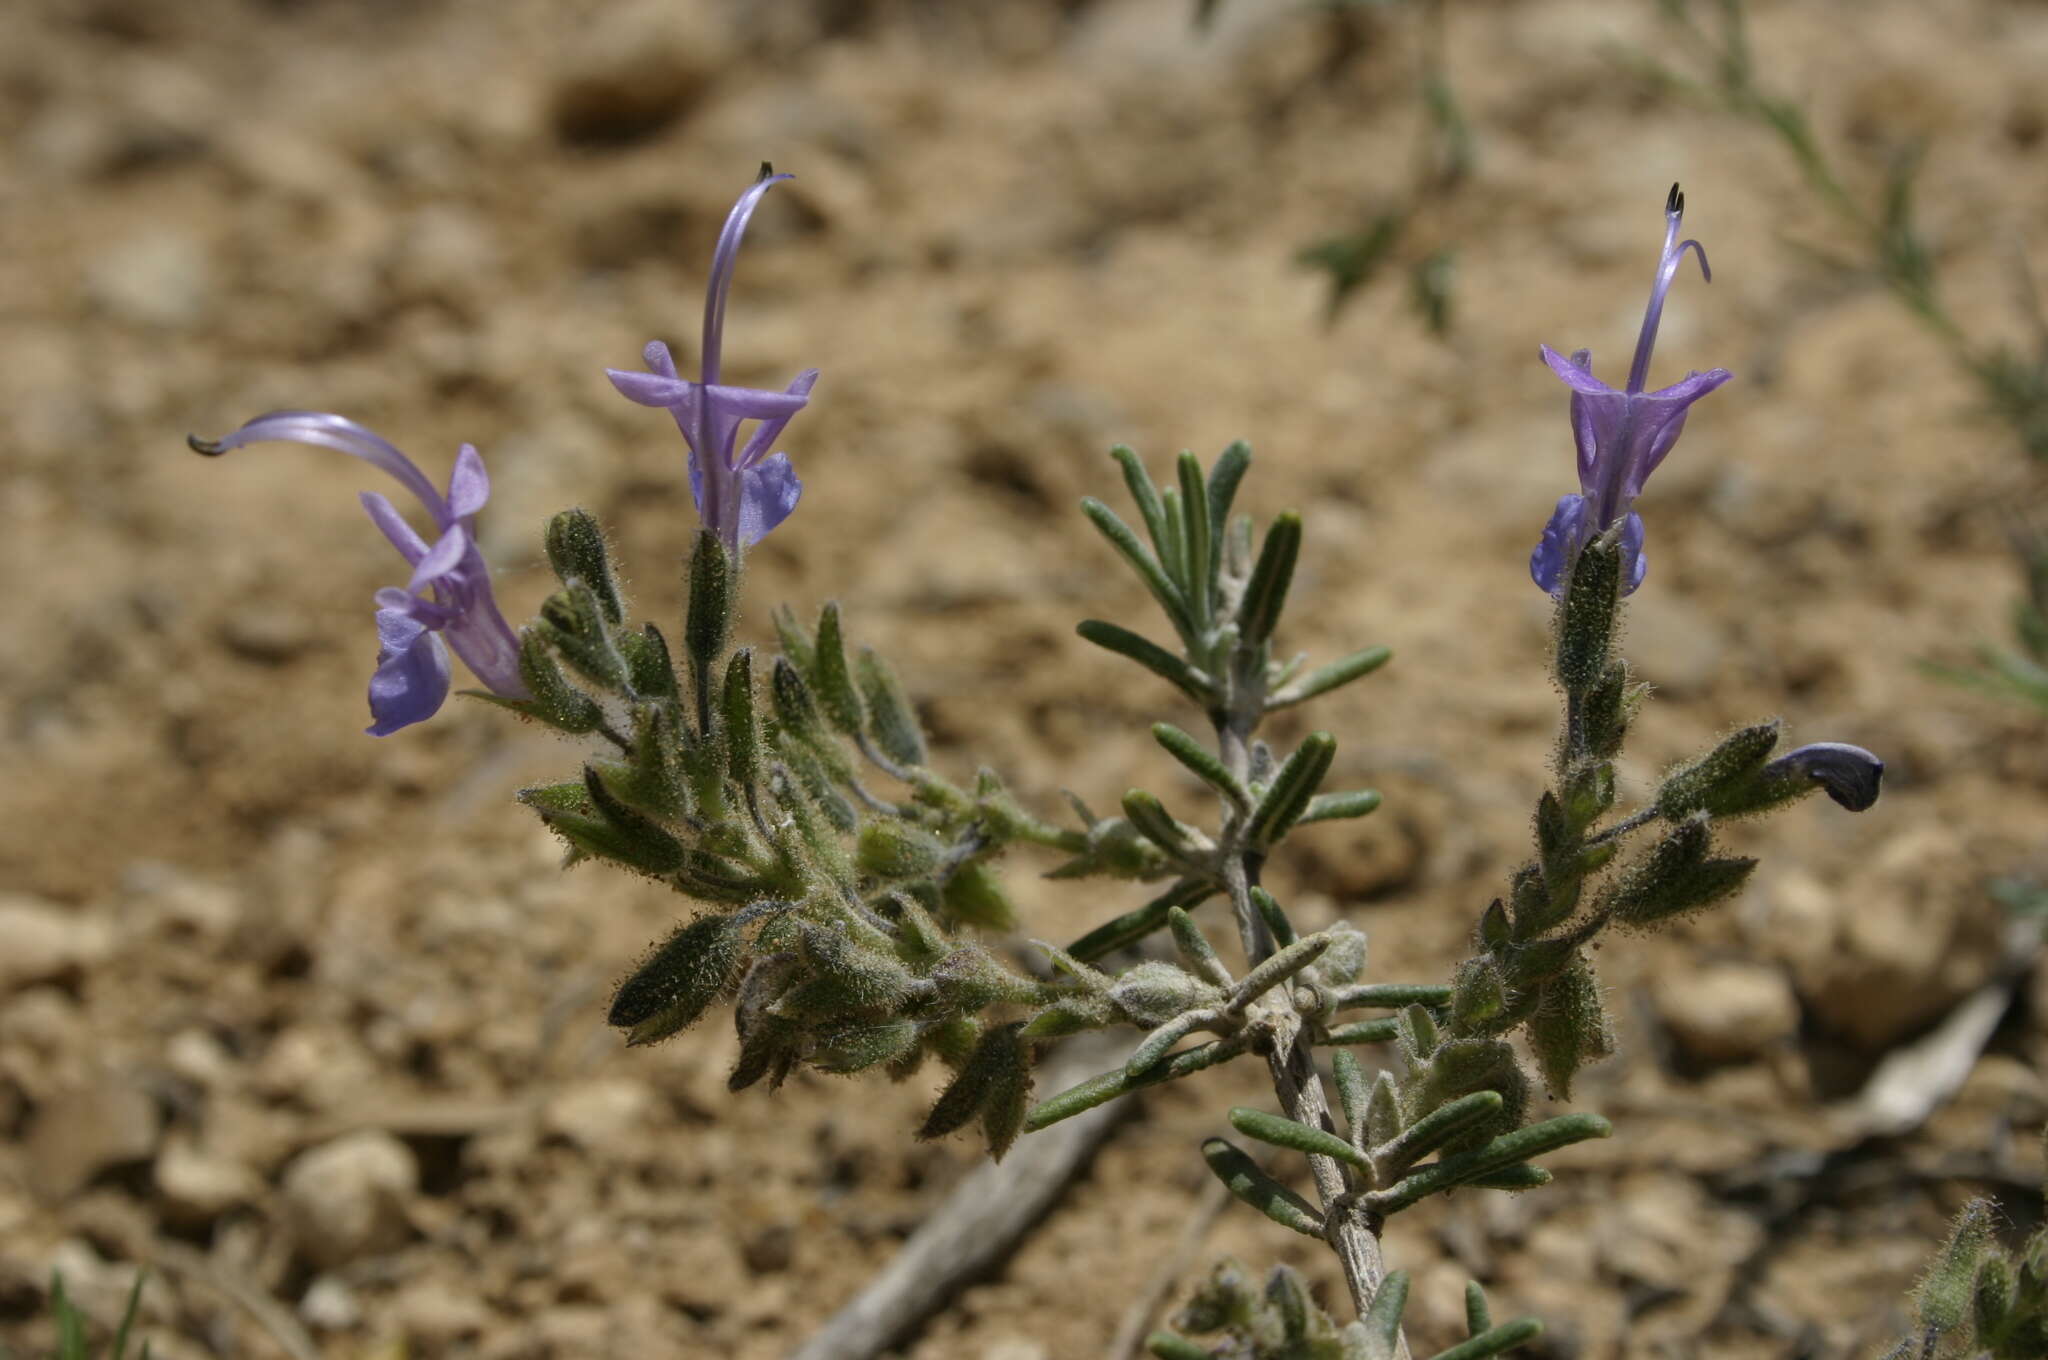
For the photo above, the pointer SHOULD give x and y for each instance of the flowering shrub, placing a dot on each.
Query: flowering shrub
(846, 891)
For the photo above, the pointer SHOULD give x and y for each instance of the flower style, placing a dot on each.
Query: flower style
(742, 496)
(450, 591)
(1622, 436)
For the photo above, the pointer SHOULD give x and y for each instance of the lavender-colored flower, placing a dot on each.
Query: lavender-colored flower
(1849, 774)
(449, 595)
(740, 496)
(1622, 436)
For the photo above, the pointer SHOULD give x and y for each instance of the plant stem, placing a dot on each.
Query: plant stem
(1352, 1233)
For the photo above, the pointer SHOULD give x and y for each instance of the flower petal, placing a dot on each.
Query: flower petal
(469, 486)
(1638, 566)
(1850, 774)
(385, 516)
(411, 680)
(768, 492)
(653, 389)
(1562, 538)
(1576, 372)
(442, 560)
(768, 431)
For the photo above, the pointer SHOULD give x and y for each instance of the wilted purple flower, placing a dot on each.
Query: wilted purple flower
(1850, 774)
(740, 497)
(1622, 436)
(411, 680)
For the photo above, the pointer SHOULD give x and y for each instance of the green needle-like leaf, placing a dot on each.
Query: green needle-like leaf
(1124, 541)
(1383, 1316)
(1265, 595)
(1502, 1152)
(1096, 1090)
(1135, 925)
(1243, 1178)
(1143, 493)
(1394, 995)
(1291, 790)
(1151, 656)
(1495, 1341)
(1204, 763)
(1287, 1133)
(1229, 470)
(1325, 678)
(1334, 807)
(1354, 1090)
(1478, 1317)
(1201, 540)
(1380, 1031)
(1194, 946)
(1434, 1129)
(1276, 920)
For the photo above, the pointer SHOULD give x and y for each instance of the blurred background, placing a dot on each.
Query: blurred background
(309, 1023)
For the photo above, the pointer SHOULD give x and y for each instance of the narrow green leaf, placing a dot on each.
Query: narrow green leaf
(1124, 541)
(1278, 969)
(1291, 790)
(1151, 656)
(672, 986)
(1495, 1341)
(1136, 924)
(1243, 1178)
(837, 694)
(1224, 476)
(1394, 995)
(1203, 763)
(1332, 807)
(1096, 1090)
(1152, 821)
(1497, 1155)
(1325, 678)
(1383, 1316)
(1434, 1129)
(742, 734)
(555, 701)
(1276, 920)
(1265, 596)
(1478, 1317)
(1288, 1133)
(1354, 1091)
(794, 641)
(891, 718)
(1520, 1176)
(1194, 946)
(1380, 1031)
(1144, 494)
(648, 666)
(1167, 1346)
(1201, 540)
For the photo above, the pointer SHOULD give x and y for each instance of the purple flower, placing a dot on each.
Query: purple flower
(1622, 436)
(449, 595)
(1850, 774)
(740, 497)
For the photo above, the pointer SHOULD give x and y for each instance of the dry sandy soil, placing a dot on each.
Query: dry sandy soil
(311, 1021)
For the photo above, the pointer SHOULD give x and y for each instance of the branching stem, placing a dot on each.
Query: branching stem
(1352, 1232)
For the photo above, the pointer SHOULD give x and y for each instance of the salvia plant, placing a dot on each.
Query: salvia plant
(847, 902)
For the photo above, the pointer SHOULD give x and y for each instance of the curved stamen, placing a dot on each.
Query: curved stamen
(333, 432)
(1667, 271)
(723, 260)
